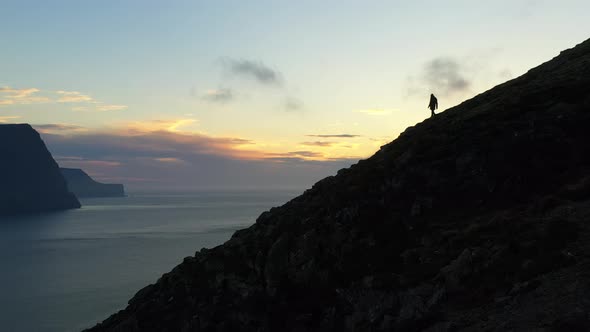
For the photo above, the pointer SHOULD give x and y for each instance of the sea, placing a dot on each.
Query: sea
(66, 271)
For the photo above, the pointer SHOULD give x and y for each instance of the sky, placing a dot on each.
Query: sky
(255, 94)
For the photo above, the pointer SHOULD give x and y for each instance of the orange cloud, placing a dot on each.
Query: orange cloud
(170, 160)
(171, 141)
(159, 154)
(156, 139)
(156, 125)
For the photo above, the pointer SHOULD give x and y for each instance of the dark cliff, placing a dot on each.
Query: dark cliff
(82, 185)
(30, 180)
(476, 219)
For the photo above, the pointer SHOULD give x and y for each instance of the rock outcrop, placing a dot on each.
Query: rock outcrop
(82, 185)
(476, 219)
(30, 180)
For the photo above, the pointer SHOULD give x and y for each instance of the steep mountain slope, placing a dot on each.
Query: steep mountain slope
(82, 185)
(30, 180)
(473, 220)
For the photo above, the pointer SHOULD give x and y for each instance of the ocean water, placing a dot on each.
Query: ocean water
(66, 271)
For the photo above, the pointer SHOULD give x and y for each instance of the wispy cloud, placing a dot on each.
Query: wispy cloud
(334, 135)
(72, 97)
(442, 76)
(308, 154)
(254, 70)
(97, 106)
(59, 128)
(446, 73)
(8, 118)
(170, 160)
(90, 103)
(12, 96)
(18, 93)
(318, 143)
(102, 163)
(174, 125)
(221, 95)
(79, 162)
(294, 155)
(293, 104)
(83, 102)
(104, 108)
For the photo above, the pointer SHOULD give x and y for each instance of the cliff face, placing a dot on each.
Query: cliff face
(30, 180)
(82, 185)
(476, 219)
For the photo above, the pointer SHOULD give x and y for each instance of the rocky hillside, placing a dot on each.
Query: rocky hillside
(82, 185)
(30, 180)
(476, 219)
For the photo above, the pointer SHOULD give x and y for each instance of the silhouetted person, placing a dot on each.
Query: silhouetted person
(433, 105)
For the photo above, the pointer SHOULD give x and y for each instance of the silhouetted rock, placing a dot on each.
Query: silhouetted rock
(82, 185)
(474, 220)
(30, 180)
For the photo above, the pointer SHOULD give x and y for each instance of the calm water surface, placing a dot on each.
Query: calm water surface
(65, 271)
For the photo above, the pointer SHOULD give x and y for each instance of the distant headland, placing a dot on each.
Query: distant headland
(82, 185)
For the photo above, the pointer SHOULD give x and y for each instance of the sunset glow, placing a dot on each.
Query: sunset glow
(142, 83)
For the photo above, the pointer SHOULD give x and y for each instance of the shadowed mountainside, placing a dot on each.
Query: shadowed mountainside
(473, 220)
(82, 185)
(30, 180)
